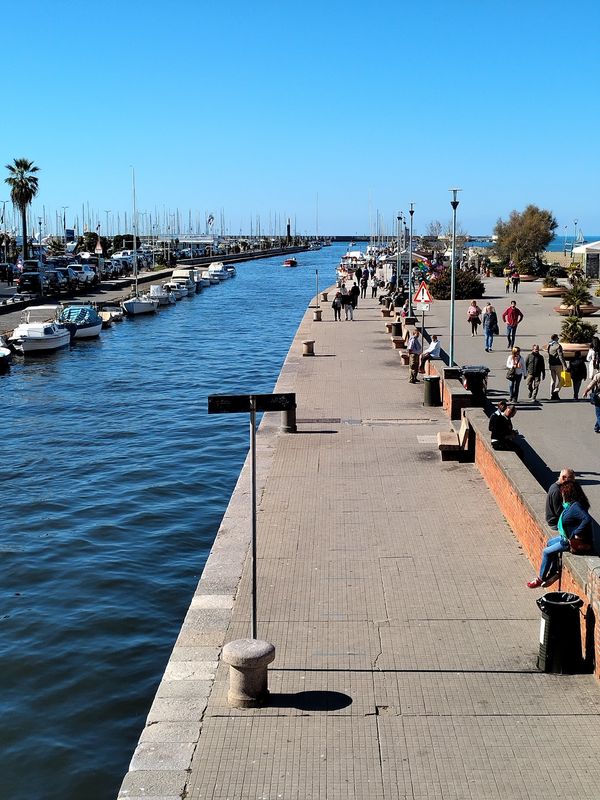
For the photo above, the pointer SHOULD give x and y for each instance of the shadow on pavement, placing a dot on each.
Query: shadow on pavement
(311, 701)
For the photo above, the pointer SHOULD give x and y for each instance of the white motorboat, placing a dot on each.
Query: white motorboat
(175, 288)
(188, 274)
(231, 271)
(84, 320)
(39, 332)
(5, 356)
(112, 313)
(164, 297)
(212, 279)
(217, 270)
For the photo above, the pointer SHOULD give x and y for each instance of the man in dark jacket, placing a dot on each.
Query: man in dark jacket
(554, 500)
(578, 370)
(536, 371)
(501, 427)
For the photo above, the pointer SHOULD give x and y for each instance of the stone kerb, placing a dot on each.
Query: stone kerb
(522, 501)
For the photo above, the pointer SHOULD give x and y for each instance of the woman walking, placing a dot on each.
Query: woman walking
(515, 370)
(593, 387)
(593, 358)
(490, 326)
(474, 317)
(578, 370)
(575, 534)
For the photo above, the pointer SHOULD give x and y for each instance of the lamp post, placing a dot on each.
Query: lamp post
(40, 257)
(411, 211)
(454, 204)
(398, 255)
(3, 221)
(64, 208)
(565, 242)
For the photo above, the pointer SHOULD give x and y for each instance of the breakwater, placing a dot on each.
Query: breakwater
(113, 492)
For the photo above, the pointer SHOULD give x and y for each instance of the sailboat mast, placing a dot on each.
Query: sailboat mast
(134, 227)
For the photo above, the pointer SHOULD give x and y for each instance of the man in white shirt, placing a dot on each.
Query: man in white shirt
(415, 349)
(433, 351)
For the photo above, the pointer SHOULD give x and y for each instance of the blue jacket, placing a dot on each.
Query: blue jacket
(577, 522)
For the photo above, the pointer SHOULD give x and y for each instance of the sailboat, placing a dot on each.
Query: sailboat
(137, 303)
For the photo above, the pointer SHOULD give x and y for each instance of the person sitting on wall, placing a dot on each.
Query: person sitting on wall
(501, 427)
(432, 351)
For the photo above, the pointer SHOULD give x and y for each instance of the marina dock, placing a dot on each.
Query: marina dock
(394, 593)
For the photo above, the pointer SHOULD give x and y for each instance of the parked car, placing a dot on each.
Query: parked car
(32, 282)
(56, 280)
(85, 275)
(70, 277)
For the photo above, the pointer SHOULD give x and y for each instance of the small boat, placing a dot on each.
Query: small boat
(231, 271)
(290, 262)
(84, 320)
(212, 279)
(164, 297)
(39, 332)
(139, 304)
(217, 270)
(112, 314)
(175, 289)
(5, 355)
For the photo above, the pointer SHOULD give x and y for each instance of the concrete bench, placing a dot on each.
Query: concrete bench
(452, 444)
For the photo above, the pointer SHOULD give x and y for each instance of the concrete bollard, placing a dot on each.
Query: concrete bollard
(248, 683)
(388, 327)
(288, 420)
(398, 342)
(386, 312)
(308, 347)
(324, 296)
(317, 315)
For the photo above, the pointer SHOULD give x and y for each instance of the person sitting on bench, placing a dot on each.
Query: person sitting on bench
(432, 351)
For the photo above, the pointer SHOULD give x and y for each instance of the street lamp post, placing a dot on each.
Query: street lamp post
(40, 257)
(411, 211)
(454, 204)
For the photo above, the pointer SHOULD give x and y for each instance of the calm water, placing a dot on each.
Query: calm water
(115, 480)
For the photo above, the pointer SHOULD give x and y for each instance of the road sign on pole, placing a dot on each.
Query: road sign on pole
(251, 403)
(422, 295)
(422, 306)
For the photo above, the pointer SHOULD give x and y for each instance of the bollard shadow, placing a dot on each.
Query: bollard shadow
(310, 701)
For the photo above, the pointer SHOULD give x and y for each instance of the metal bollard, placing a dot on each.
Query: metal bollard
(248, 682)
(324, 296)
(308, 347)
(317, 315)
(288, 420)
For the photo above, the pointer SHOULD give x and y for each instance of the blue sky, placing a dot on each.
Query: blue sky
(257, 108)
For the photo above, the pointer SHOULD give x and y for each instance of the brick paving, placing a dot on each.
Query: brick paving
(395, 595)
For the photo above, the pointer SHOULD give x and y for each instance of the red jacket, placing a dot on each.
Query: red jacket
(512, 316)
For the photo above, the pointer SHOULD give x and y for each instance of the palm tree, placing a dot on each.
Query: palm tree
(23, 188)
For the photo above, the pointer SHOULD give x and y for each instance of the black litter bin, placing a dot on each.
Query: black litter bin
(397, 328)
(431, 394)
(474, 378)
(560, 637)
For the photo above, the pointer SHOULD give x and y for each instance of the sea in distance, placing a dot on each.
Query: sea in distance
(115, 481)
(557, 244)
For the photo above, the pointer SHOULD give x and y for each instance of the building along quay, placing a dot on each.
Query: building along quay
(393, 590)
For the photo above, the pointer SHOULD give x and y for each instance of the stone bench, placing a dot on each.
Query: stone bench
(452, 444)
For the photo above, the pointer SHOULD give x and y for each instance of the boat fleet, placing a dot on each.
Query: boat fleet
(51, 327)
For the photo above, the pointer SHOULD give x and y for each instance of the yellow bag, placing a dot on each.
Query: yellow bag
(565, 379)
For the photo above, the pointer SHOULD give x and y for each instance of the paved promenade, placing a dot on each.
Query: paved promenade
(395, 595)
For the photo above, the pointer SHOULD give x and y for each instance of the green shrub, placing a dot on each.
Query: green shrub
(468, 285)
(556, 271)
(576, 331)
(497, 270)
(550, 282)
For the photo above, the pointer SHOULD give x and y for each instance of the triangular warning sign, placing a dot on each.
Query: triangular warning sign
(422, 294)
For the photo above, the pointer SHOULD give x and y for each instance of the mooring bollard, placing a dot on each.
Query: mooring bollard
(288, 420)
(317, 315)
(324, 296)
(308, 347)
(248, 682)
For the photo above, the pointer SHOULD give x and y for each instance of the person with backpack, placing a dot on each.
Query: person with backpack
(337, 307)
(556, 363)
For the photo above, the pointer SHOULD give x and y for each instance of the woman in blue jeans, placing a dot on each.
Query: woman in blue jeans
(515, 371)
(573, 524)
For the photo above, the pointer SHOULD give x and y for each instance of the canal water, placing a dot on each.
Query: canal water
(114, 483)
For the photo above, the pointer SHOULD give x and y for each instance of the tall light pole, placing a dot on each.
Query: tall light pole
(64, 208)
(454, 204)
(411, 211)
(3, 221)
(398, 256)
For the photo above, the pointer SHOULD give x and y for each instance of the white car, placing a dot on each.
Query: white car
(85, 275)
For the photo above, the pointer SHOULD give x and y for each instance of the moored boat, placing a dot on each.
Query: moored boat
(139, 304)
(175, 289)
(5, 356)
(212, 279)
(160, 293)
(217, 270)
(84, 321)
(39, 332)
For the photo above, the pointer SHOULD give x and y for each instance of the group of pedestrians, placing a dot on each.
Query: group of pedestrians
(512, 316)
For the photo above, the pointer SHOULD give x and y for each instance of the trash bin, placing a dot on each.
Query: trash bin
(474, 378)
(431, 394)
(396, 328)
(560, 637)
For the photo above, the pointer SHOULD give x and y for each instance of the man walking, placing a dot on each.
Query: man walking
(414, 348)
(512, 316)
(557, 363)
(536, 371)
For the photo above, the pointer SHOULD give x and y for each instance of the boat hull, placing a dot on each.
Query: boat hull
(136, 306)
